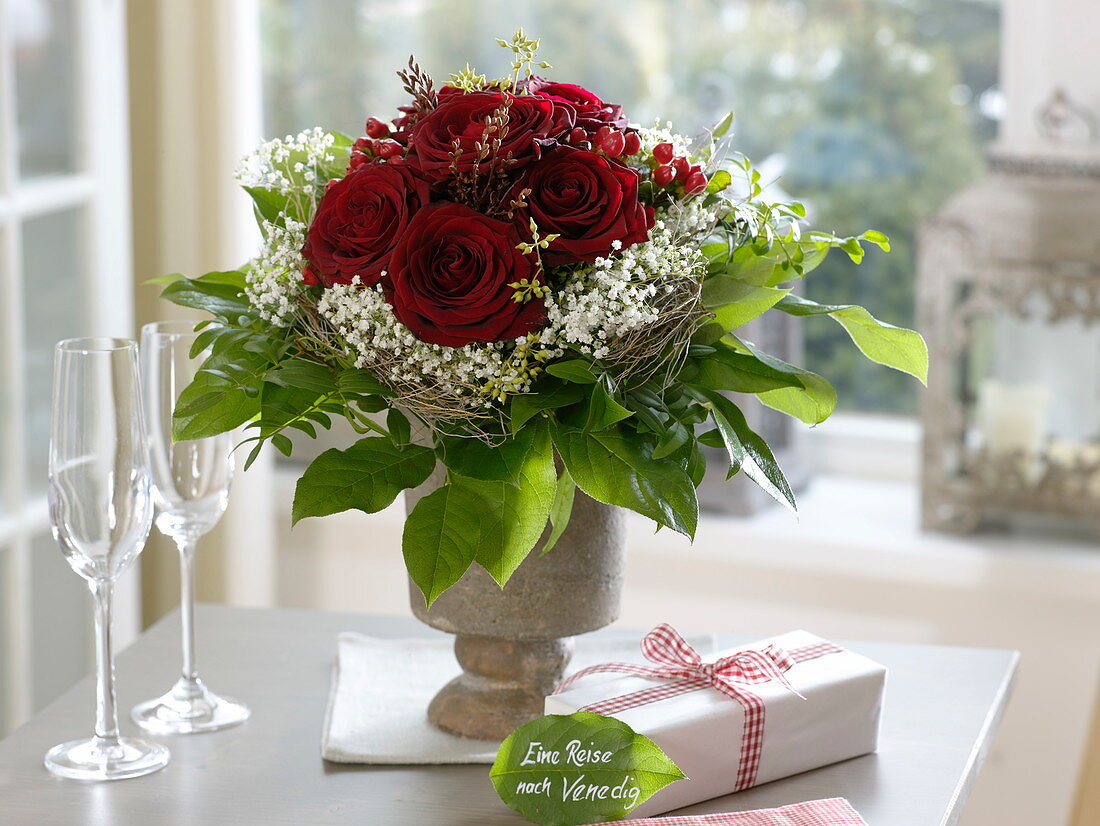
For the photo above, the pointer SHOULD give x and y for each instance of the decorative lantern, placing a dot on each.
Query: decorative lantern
(1009, 300)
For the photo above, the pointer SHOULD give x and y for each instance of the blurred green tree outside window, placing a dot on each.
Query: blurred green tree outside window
(872, 111)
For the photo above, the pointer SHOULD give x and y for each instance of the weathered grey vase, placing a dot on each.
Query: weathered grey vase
(513, 644)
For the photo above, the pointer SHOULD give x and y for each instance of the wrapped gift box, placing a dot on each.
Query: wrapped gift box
(704, 730)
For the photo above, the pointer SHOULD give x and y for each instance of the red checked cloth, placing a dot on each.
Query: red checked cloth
(835, 811)
(751, 715)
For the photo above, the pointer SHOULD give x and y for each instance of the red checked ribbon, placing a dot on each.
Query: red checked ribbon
(678, 663)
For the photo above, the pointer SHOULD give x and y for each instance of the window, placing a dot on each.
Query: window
(873, 111)
(64, 272)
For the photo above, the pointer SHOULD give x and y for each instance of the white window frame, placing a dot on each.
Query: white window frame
(101, 189)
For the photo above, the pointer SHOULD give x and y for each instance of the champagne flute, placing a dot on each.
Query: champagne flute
(101, 509)
(191, 489)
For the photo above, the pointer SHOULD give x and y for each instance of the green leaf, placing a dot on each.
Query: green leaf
(738, 303)
(741, 373)
(398, 425)
(574, 370)
(357, 381)
(499, 461)
(308, 375)
(616, 466)
(268, 204)
(441, 538)
(541, 772)
(747, 451)
(367, 476)
(882, 343)
(560, 510)
(723, 126)
(219, 293)
(224, 394)
(527, 405)
(599, 410)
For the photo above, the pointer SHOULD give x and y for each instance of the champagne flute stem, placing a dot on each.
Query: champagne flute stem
(106, 719)
(186, 547)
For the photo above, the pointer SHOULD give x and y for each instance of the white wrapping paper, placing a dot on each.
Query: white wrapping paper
(701, 731)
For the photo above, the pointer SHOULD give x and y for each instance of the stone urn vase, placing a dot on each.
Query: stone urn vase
(513, 644)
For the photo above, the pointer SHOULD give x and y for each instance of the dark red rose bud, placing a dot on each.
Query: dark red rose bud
(663, 152)
(577, 135)
(696, 182)
(387, 149)
(614, 144)
(308, 278)
(680, 166)
(633, 144)
(663, 175)
(377, 129)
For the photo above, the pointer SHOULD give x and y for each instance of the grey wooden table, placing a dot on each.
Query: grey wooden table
(943, 705)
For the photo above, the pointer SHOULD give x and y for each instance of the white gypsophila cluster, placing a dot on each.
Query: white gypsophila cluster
(275, 276)
(275, 164)
(380, 342)
(618, 295)
(595, 306)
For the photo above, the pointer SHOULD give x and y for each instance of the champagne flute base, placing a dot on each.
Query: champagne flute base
(100, 759)
(189, 708)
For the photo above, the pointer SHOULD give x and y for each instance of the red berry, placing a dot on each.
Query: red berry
(694, 168)
(387, 149)
(663, 152)
(356, 161)
(377, 129)
(577, 135)
(680, 165)
(663, 175)
(361, 145)
(633, 144)
(602, 133)
(614, 144)
(696, 182)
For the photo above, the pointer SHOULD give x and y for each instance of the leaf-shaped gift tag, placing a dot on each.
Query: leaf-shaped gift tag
(565, 770)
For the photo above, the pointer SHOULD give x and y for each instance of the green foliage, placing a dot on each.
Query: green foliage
(367, 477)
(493, 518)
(536, 767)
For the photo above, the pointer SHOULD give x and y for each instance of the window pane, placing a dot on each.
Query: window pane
(42, 33)
(52, 301)
(5, 647)
(5, 398)
(61, 635)
(872, 111)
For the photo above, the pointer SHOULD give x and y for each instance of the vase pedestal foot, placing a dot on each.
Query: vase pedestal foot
(502, 685)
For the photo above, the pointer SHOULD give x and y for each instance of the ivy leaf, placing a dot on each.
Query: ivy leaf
(747, 450)
(616, 467)
(560, 510)
(367, 476)
(882, 343)
(553, 791)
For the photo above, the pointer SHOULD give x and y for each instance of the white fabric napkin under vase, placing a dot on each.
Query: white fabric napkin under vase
(377, 706)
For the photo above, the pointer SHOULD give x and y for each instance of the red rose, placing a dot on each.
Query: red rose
(359, 220)
(587, 199)
(449, 275)
(532, 121)
(591, 112)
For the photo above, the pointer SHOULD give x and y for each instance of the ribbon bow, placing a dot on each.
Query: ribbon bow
(676, 659)
(680, 670)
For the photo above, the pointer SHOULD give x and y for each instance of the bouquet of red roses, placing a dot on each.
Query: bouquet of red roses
(514, 269)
